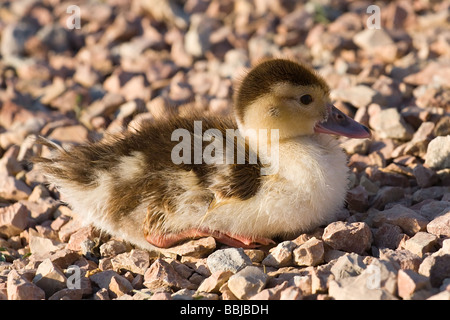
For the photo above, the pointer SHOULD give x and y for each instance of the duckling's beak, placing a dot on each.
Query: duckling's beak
(339, 123)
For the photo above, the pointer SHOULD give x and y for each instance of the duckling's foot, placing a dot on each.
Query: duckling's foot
(169, 239)
(240, 241)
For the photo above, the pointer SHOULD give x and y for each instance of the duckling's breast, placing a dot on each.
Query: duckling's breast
(308, 191)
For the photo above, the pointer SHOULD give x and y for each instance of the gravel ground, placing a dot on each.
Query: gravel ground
(134, 60)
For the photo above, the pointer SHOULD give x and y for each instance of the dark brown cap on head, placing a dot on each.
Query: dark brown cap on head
(261, 78)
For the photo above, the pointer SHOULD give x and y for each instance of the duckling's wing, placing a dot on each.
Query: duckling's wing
(237, 181)
(235, 171)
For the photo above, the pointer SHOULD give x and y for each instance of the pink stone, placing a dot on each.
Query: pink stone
(13, 219)
(20, 288)
(350, 237)
(81, 235)
(116, 284)
(409, 281)
(13, 189)
(310, 253)
(407, 219)
(161, 274)
(440, 226)
(421, 243)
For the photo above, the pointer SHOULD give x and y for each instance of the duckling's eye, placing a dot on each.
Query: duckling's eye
(306, 99)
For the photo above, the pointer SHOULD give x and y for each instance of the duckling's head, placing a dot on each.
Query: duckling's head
(288, 96)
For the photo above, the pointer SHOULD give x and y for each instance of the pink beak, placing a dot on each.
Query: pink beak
(339, 123)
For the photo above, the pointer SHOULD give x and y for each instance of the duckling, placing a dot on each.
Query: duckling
(131, 185)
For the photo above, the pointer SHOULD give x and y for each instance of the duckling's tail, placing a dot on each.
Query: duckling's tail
(50, 166)
(63, 165)
(69, 170)
(48, 143)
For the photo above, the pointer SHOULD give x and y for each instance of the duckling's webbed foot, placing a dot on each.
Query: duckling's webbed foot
(170, 239)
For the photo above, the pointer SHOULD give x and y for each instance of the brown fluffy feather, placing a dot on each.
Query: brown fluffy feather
(83, 164)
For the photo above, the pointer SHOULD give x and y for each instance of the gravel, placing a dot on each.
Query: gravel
(132, 61)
